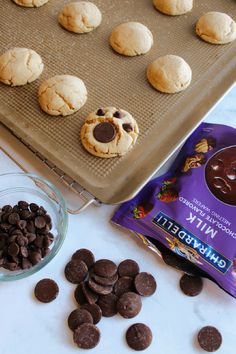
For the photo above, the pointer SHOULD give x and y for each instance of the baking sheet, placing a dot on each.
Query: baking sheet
(111, 79)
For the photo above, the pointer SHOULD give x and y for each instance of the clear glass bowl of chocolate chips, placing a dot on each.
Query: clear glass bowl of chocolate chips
(33, 224)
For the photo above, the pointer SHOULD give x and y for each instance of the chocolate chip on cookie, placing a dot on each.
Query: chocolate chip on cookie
(100, 112)
(127, 127)
(104, 132)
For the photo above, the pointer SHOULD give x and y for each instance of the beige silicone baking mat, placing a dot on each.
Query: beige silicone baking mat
(111, 79)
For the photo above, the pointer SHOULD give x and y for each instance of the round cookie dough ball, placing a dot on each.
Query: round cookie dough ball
(109, 132)
(169, 74)
(80, 17)
(216, 28)
(62, 95)
(31, 3)
(173, 7)
(20, 66)
(131, 38)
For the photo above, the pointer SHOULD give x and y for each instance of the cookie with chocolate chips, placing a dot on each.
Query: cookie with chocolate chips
(109, 132)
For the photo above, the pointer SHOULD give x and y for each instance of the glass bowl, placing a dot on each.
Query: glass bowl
(15, 187)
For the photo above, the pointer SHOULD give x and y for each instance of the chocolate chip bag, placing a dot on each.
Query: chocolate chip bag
(192, 208)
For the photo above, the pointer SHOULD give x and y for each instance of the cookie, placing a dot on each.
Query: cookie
(109, 132)
(20, 66)
(30, 3)
(209, 339)
(80, 17)
(131, 39)
(216, 28)
(46, 290)
(139, 336)
(62, 95)
(169, 74)
(173, 7)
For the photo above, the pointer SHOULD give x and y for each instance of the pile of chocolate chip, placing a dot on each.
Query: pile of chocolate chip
(25, 235)
(104, 290)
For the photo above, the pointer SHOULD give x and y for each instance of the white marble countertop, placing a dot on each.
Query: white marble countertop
(28, 326)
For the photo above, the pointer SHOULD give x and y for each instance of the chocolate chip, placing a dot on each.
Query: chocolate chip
(209, 339)
(12, 266)
(76, 271)
(22, 224)
(108, 305)
(25, 214)
(24, 251)
(127, 127)
(100, 112)
(129, 305)
(104, 132)
(40, 222)
(84, 255)
(87, 336)
(90, 296)
(26, 264)
(23, 205)
(99, 289)
(118, 114)
(30, 226)
(31, 237)
(94, 310)
(105, 268)
(139, 336)
(46, 290)
(33, 207)
(128, 268)
(78, 317)
(35, 257)
(79, 295)
(39, 241)
(191, 285)
(105, 281)
(7, 209)
(22, 240)
(145, 284)
(13, 249)
(13, 218)
(123, 285)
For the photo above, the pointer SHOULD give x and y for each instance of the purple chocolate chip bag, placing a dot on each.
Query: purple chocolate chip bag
(192, 208)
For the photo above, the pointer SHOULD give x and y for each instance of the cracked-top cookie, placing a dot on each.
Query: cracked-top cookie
(109, 132)
(20, 66)
(62, 95)
(31, 3)
(80, 17)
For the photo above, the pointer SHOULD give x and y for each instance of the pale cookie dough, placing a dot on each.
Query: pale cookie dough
(20, 66)
(80, 17)
(131, 38)
(62, 95)
(31, 3)
(216, 28)
(173, 7)
(169, 74)
(109, 132)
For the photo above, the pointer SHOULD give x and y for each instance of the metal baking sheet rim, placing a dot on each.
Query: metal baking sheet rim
(127, 189)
